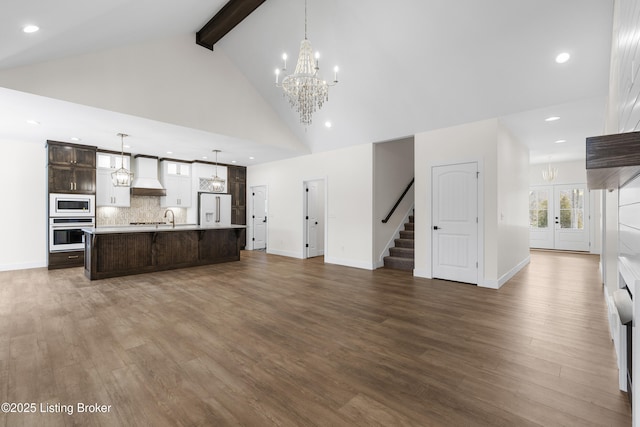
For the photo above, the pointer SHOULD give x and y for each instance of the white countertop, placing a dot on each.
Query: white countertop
(158, 227)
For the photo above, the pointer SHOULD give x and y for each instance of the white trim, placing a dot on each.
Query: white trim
(396, 235)
(618, 333)
(497, 284)
(325, 179)
(424, 273)
(289, 254)
(480, 207)
(350, 263)
(249, 219)
(24, 266)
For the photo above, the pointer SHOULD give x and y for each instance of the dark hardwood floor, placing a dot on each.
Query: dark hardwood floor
(279, 341)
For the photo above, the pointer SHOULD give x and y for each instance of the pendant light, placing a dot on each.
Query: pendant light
(550, 173)
(304, 88)
(122, 177)
(217, 183)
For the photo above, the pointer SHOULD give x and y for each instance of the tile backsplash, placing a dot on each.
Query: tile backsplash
(143, 209)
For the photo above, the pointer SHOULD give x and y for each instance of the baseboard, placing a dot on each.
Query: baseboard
(285, 253)
(25, 266)
(497, 284)
(350, 263)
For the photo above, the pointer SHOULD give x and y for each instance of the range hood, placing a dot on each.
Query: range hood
(146, 181)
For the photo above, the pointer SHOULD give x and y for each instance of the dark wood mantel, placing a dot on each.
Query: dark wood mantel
(612, 160)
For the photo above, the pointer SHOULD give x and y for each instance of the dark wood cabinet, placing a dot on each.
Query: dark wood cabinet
(61, 153)
(176, 248)
(72, 168)
(237, 176)
(70, 179)
(238, 191)
(121, 254)
(65, 259)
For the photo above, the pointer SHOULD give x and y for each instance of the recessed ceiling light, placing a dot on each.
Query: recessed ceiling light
(30, 29)
(33, 122)
(251, 158)
(127, 146)
(562, 58)
(552, 119)
(328, 124)
(75, 138)
(560, 141)
(204, 157)
(233, 161)
(169, 152)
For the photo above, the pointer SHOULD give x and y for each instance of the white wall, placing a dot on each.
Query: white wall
(568, 173)
(498, 156)
(23, 212)
(513, 205)
(348, 177)
(171, 80)
(473, 142)
(393, 164)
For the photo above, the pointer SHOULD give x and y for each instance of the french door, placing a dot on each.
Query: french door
(559, 217)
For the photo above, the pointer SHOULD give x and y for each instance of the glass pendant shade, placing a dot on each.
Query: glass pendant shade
(217, 184)
(122, 177)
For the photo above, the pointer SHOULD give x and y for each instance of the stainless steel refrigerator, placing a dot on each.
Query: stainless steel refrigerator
(214, 209)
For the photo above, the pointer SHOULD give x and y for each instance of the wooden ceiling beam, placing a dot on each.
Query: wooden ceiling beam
(231, 14)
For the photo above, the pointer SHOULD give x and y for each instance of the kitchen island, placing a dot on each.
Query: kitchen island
(122, 251)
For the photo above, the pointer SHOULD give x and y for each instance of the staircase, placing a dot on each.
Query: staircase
(401, 256)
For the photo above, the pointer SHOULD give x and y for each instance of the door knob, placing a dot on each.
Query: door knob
(435, 227)
(316, 222)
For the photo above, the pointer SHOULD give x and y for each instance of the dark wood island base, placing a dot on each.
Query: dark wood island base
(126, 251)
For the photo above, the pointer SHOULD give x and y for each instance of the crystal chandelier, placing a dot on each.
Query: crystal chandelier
(549, 174)
(122, 177)
(304, 88)
(217, 183)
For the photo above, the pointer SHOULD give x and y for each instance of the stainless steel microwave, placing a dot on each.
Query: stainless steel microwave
(71, 205)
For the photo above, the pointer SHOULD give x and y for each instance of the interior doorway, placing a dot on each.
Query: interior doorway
(559, 217)
(259, 217)
(314, 218)
(455, 222)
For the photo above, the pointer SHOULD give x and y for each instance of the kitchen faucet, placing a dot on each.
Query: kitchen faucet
(173, 217)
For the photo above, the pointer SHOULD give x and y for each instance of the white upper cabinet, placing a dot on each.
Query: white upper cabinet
(112, 161)
(176, 179)
(106, 193)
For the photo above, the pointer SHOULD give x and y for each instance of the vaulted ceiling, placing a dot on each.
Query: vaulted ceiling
(405, 67)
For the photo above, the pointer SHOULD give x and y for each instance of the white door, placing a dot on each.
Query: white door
(541, 208)
(314, 216)
(571, 217)
(259, 216)
(455, 222)
(559, 217)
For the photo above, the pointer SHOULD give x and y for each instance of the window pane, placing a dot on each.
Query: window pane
(572, 209)
(542, 219)
(538, 206)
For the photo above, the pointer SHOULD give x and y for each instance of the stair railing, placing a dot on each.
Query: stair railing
(393, 209)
